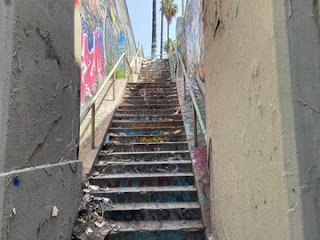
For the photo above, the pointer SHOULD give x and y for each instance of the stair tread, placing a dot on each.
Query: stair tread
(163, 225)
(144, 143)
(146, 128)
(147, 189)
(123, 163)
(154, 206)
(149, 152)
(141, 175)
(134, 121)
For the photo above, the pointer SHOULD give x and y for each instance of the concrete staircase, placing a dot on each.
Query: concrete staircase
(145, 167)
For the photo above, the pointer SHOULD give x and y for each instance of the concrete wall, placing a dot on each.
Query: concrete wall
(39, 120)
(105, 33)
(262, 83)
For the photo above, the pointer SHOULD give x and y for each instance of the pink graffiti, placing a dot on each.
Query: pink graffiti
(92, 64)
(75, 3)
(200, 157)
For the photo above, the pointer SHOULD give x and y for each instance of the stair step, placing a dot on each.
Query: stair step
(118, 167)
(146, 156)
(149, 194)
(154, 97)
(135, 117)
(156, 230)
(145, 147)
(142, 179)
(154, 211)
(152, 84)
(147, 107)
(145, 124)
(143, 112)
(148, 131)
(151, 102)
(149, 86)
(148, 138)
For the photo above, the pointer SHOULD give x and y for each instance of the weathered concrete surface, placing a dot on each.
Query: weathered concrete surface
(42, 82)
(262, 68)
(32, 194)
(39, 119)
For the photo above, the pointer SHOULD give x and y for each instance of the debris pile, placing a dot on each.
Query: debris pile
(91, 223)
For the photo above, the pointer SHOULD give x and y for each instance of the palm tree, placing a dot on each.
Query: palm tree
(169, 46)
(154, 30)
(161, 41)
(169, 9)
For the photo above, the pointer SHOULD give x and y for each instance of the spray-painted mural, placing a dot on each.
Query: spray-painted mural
(190, 40)
(104, 37)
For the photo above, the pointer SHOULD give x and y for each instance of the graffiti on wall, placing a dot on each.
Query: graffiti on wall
(190, 40)
(103, 39)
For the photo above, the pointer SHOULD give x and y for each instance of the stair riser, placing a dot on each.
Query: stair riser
(150, 131)
(153, 87)
(137, 139)
(148, 118)
(143, 112)
(146, 157)
(159, 214)
(151, 92)
(159, 235)
(144, 182)
(146, 148)
(155, 168)
(158, 98)
(151, 102)
(148, 107)
(150, 197)
(149, 124)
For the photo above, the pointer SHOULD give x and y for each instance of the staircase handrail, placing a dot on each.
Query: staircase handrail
(91, 105)
(196, 109)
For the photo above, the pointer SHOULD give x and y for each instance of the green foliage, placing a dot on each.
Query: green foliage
(120, 73)
(169, 9)
(169, 46)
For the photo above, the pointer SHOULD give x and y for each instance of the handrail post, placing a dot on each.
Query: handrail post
(124, 65)
(93, 125)
(195, 132)
(113, 86)
(184, 87)
(136, 65)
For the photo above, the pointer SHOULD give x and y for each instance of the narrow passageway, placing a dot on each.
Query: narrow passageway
(144, 166)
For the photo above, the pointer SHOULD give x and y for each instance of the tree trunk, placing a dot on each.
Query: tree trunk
(168, 35)
(154, 30)
(161, 42)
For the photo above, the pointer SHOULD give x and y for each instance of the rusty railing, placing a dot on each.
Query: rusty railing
(91, 106)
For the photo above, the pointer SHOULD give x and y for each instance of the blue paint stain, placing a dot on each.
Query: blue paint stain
(16, 181)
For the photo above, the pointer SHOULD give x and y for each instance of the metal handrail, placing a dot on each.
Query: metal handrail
(91, 105)
(196, 109)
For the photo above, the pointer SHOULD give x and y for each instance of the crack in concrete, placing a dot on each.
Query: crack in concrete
(313, 109)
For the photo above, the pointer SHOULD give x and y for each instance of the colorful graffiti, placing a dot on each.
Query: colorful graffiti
(190, 40)
(103, 39)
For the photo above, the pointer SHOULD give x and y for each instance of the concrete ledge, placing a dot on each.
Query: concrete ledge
(28, 196)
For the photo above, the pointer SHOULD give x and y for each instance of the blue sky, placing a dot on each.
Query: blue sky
(141, 19)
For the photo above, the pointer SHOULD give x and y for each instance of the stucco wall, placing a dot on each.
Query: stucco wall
(262, 84)
(106, 33)
(39, 120)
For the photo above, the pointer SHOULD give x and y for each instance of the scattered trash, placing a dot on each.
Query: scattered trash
(91, 223)
(123, 134)
(55, 211)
